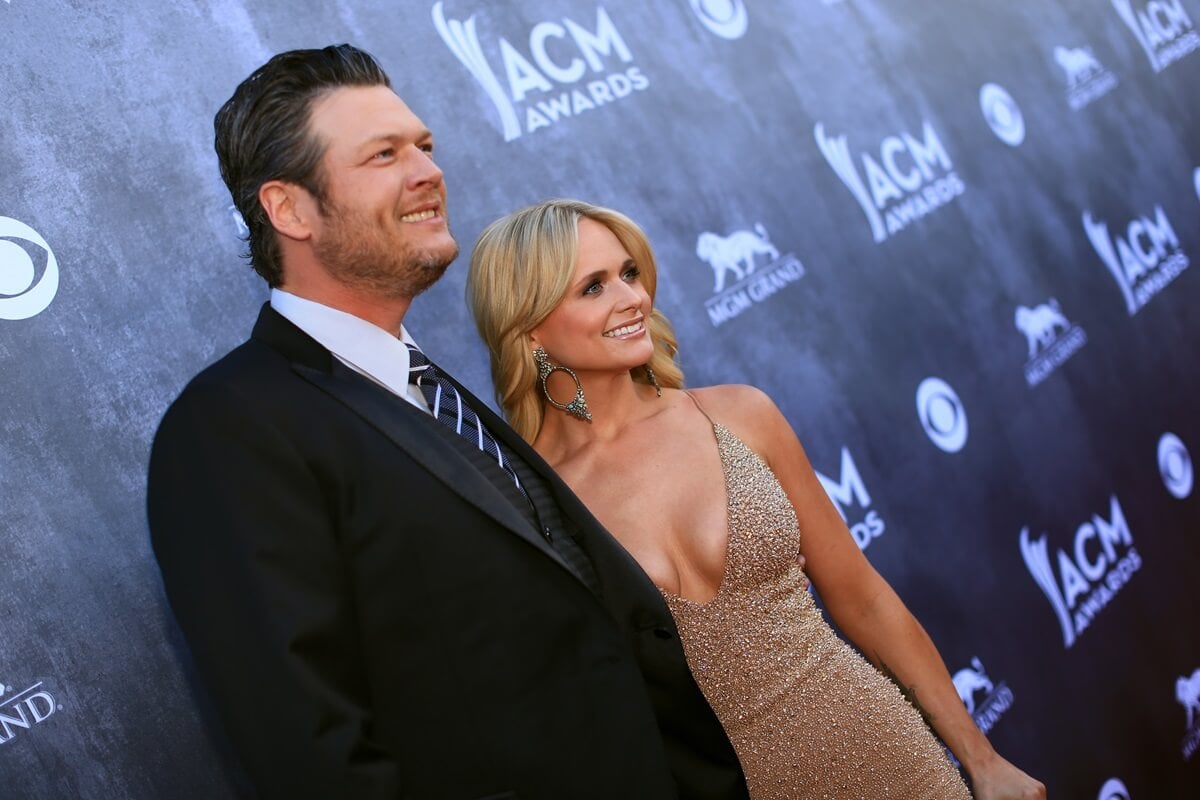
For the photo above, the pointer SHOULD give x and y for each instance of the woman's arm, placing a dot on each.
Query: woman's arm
(861, 602)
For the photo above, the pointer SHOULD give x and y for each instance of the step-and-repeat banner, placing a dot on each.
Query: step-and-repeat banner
(956, 241)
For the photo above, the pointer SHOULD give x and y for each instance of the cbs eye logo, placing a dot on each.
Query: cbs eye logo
(24, 292)
(942, 414)
(725, 18)
(1175, 464)
(1002, 114)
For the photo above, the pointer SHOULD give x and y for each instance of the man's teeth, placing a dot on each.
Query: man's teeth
(625, 331)
(418, 216)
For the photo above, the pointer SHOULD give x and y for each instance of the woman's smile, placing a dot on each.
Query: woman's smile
(628, 330)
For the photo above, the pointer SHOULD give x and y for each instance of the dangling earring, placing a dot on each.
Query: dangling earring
(654, 380)
(577, 407)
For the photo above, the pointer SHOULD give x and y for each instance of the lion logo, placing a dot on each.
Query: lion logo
(1039, 324)
(1187, 692)
(1077, 62)
(734, 253)
(970, 680)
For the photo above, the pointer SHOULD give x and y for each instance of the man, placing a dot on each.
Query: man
(386, 592)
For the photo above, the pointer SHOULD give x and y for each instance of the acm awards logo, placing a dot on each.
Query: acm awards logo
(726, 18)
(1162, 27)
(1087, 79)
(986, 701)
(849, 493)
(1144, 261)
(560, 59)
(738, 256)
(20, 711)
(1187, 692)
(25, 289)
(910, 177)
(1102, 560)
(1050, 337)
(239, 223)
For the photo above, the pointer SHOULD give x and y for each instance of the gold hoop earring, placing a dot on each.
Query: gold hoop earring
(576, 408)
(653, 380)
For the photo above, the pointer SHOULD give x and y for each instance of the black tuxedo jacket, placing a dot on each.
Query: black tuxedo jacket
(374, 619)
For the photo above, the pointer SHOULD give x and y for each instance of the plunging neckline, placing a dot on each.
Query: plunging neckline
(717, 428)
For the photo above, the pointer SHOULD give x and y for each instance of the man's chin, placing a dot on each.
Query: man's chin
(426, 269)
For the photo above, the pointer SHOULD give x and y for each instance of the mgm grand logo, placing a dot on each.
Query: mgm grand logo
(22, 710)
(1050, 336)
(986, 701)
(747, 269)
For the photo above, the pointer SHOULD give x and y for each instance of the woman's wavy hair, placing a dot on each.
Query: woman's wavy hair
(520, 270)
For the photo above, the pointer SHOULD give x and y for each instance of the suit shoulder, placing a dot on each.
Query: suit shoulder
(239, 376)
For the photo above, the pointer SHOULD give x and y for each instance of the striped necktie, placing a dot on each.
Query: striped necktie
(452, 411)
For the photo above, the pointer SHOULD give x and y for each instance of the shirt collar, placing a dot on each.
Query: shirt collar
(361, 345)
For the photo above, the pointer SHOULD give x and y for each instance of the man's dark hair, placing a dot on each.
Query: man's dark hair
(262, 134)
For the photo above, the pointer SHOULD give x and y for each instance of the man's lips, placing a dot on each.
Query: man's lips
(422, 212)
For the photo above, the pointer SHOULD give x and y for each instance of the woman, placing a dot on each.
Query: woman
(710, 490)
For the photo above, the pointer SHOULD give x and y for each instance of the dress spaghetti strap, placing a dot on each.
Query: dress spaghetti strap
(702, 411)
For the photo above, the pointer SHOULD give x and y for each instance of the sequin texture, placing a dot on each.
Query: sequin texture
(808, 716)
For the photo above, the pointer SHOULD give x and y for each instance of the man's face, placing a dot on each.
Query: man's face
(384, 228)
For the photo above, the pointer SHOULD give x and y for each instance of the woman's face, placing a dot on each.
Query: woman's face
(600, 324)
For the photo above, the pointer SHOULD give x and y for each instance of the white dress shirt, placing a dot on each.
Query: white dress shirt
(362, 346)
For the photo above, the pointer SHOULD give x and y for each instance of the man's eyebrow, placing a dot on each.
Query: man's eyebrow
(383, 136)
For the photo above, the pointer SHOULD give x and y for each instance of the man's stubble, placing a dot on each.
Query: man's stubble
(369, 256)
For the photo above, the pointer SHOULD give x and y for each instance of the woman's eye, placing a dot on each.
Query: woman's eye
(631, 274)
(593, 288)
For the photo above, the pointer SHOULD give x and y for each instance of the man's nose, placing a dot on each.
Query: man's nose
(423, 169)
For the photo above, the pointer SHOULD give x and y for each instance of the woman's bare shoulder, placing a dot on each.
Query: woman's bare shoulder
(746, 410)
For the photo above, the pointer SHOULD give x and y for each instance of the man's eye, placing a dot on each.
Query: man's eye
(387, 153)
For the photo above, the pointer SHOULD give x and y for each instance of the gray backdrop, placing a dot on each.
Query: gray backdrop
(952, 239)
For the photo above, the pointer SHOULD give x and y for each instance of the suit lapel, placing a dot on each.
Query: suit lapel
(414, 433)
(409, 429)
(623, 574)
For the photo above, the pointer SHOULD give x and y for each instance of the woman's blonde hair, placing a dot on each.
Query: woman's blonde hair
(520, 270)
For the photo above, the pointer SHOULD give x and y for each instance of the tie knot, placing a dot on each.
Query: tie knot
(417, 362)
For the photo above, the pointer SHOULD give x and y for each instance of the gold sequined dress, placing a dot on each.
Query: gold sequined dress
(808, 716)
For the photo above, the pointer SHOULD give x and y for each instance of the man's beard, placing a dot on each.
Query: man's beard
(367, 255)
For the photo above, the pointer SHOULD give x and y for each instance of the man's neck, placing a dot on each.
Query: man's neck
(383, 312)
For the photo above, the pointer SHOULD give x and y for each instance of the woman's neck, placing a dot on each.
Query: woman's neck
(615, 401)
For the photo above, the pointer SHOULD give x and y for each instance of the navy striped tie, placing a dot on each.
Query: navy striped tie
(452, 411)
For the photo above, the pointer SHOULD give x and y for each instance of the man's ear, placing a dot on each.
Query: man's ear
(290, 208)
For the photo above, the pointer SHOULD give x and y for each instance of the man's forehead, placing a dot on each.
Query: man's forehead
(351, 115)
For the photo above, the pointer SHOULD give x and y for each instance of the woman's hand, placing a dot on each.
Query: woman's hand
(1000, 780)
